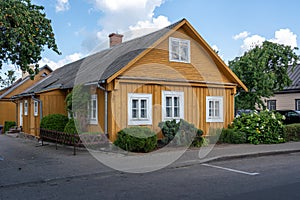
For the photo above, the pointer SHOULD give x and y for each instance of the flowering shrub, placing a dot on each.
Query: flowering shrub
(260, 128)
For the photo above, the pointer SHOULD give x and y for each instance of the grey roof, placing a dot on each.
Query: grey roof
(21, 81)
(295, 78)
(99, 66)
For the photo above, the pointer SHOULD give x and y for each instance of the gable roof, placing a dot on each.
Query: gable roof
(20, 82)
(106, 65)
(294, 75)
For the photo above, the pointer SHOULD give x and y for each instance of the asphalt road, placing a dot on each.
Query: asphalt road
(269, 177)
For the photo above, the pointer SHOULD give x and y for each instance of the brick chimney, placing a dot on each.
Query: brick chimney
(115, 39)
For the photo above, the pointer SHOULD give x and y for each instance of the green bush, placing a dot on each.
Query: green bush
(55, 122)
(181, 133)
(292, 132)
(260, 128)
(8, 125)
(136, 139)
(71, 127)
(232, 136)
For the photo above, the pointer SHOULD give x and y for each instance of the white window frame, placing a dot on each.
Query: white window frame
(181, 42)
(94, 99)
(25, 107)
(297, 104)
(140, 120)
(219, 117)
(35, 108)
(172, 94)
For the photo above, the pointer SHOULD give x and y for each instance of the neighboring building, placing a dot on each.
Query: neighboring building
(168, 74)
(8, 107)
(289, 98)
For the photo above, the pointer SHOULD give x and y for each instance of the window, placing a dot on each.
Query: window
(297, 104)
(25, 107)
(35, 108)
(93, 109)
(214, 109)
(172, 105)
(179, 50)
(139, 109)
(271, 104)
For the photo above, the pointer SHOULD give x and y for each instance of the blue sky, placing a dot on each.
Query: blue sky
(230, 26)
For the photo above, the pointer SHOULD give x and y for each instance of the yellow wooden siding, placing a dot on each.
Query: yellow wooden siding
(100, 126)
(7, 111)
(156, 65)
(194, 105)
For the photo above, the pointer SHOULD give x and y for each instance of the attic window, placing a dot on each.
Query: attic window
(44, 74)
(179, 50)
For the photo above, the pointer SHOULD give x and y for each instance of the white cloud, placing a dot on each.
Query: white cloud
(251, 42)
(126, 15)
(57, 64)
(62, 5)
(241, 35)
(286, 37)
(282, 36)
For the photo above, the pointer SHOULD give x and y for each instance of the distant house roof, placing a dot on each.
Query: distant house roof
(101, 66)
(19, 82)
(295, 78)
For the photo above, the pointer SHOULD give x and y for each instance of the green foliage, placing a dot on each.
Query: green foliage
(8, 125)
(76, 103)
(263, 70)
(136, 139)
(24, 31)
(181, 133)
(292, 132)
(9, 80)
(263, 128)
(71, 126)
(55, 122)
(232, 136)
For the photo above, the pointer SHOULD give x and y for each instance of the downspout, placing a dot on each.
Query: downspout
(41, 106)
(105, 109)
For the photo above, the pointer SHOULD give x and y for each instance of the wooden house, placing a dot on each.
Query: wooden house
(168, 74)
(8, 108)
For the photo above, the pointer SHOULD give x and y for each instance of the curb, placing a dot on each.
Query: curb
(233, 157)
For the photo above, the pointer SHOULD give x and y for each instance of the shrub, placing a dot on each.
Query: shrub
(54, 122)
(136, 139)
(181, 133)
(71, 127)
(8, 125)
(232, 136)
(263, 128)
(292, 132)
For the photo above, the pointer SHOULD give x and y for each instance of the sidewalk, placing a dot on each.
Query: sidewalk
(24, 161)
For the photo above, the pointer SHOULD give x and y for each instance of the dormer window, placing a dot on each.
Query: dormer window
(179, 50)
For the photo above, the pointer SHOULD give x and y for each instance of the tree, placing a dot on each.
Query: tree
(24, 31)
(9, 80)
(264, 70)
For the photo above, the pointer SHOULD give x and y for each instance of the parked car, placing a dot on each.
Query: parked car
(291, 116)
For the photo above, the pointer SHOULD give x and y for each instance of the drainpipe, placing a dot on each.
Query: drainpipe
(105, 109)
(41, 106)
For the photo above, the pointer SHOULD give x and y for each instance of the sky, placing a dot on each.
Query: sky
(231, 27)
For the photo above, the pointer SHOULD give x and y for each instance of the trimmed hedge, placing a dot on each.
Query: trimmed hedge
(232, 136)
(136, 139)
(54, 122)
(181, 133)
(8, 125)
(71, 126)
(291, 132)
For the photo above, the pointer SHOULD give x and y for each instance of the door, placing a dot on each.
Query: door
(21, 114)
